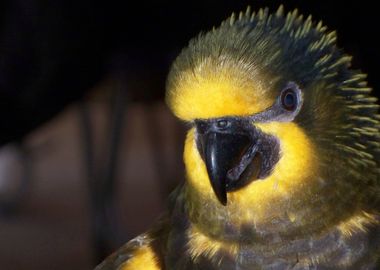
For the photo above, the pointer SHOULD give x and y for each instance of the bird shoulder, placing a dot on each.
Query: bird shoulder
(136, 254)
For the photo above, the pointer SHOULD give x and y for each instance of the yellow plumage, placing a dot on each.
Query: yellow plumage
(262, 200)
(215, 92)
(282, 157)
(143, 258)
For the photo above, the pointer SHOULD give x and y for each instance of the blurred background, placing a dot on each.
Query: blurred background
(88, 149)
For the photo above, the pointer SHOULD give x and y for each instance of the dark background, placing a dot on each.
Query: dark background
(58, 58)
(54, 51)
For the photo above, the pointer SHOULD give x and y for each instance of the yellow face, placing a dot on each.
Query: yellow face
(291, 175)
(220, 92)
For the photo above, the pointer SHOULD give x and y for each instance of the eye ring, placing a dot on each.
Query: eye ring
(289, 99)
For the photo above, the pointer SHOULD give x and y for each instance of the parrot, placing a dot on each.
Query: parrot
(281, 154)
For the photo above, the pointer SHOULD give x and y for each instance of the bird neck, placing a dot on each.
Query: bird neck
(289, 220)
(207, 233)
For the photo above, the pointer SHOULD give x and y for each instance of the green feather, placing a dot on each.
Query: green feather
(339, 113)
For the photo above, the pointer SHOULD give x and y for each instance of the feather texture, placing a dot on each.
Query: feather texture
(319, 208)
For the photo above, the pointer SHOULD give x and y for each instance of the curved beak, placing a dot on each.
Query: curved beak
(235, 153)
(221, 152)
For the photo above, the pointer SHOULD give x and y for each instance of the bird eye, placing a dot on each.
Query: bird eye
(289, 99)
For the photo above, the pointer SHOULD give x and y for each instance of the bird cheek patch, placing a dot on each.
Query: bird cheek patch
(298, 161)
(195, 167)
(292, 177)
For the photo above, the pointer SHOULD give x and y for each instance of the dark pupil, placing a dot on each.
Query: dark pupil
(289, 100)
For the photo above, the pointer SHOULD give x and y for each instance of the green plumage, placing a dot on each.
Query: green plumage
(338, 225)
(339, 113)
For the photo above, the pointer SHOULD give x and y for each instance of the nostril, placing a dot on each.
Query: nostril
(222, 124)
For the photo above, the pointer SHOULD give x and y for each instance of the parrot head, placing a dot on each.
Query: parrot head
(281, 128)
